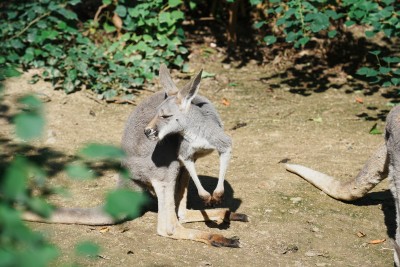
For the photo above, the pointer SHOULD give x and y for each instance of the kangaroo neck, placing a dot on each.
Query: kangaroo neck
(195, 125)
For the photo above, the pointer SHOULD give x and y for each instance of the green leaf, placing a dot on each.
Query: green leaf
(9, 72)
(99, 151)
(79, 171)
(387, 84)
(206, 74)
(384, 70)
(31, 103)
(395, 81)
(177, 15)
(123, 203)
(269, 39)
(367, 72)
(332, 33)
(110, 94)
(108, 28)
(259, 24)
(185, 68)
(375, 52)
(370, 34)
(291, 36)
(374, 130)
(40, 207)
(106, 2)
(321, 22)
(174, 3)
(68, 14)
(29, 126)
(121, 11)
(87, 248)
(16, 178)
(349, 23)
(280, 21)
(391, 59)
(303, 40)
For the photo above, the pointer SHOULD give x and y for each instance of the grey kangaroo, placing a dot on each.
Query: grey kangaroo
(385, 162)
(163, 138)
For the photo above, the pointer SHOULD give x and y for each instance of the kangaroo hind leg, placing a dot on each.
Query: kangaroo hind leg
(169, 226)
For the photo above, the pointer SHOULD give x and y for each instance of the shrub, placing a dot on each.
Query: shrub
(118, 50)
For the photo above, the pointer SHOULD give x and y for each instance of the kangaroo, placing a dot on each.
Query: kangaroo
(384, 162)
(163, 137)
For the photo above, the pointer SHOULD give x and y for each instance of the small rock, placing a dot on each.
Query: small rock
(311, 253)
(290, 249)
(51, 137)
(321, 264)
(43, 97)
(205, 263)
(296, 200)
(315, 229)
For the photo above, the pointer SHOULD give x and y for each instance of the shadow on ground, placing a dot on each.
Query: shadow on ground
(384, 198)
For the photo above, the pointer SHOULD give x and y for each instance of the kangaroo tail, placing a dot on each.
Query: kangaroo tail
(84, 216)
(373, 172)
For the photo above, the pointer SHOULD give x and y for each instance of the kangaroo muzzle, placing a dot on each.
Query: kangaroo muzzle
(151, 133)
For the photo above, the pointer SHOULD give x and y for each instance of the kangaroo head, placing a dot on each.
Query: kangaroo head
(171, 115)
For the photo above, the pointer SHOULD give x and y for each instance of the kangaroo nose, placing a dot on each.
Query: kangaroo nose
(151, 133)
(147, 132)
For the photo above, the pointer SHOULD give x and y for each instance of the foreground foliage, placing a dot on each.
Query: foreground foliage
(23, 187)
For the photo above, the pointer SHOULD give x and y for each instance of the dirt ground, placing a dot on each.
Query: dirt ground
(271, 118)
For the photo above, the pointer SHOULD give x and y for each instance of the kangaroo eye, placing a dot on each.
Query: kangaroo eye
(165, 116)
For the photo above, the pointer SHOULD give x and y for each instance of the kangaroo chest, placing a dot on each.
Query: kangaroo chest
(196, 146)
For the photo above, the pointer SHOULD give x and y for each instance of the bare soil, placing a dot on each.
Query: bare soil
(273, 118)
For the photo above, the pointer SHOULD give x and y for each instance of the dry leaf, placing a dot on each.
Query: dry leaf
(104, 229)
(360, 234)
(359, 100)
(377, 241)
(225, 102)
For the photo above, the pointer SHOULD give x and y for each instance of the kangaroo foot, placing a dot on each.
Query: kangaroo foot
(221, 241)
(240, 217)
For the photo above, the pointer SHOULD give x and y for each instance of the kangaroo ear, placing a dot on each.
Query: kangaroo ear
(166, 81)
(189, 91)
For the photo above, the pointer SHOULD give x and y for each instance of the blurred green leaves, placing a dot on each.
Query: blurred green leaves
(123, 203)
(29, 123)
(101, 152)
(87, 248)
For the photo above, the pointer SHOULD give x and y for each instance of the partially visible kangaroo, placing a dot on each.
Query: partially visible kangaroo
(164, 136)
(385, 162)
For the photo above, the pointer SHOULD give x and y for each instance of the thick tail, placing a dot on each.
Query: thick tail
(85, 216)
(373, 172)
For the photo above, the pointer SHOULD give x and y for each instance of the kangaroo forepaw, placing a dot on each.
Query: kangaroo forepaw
(217, 198)
(221, 241)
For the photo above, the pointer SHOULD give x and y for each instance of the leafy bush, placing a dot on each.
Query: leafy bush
(297, 21)
(119, 49)
(23, 187)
